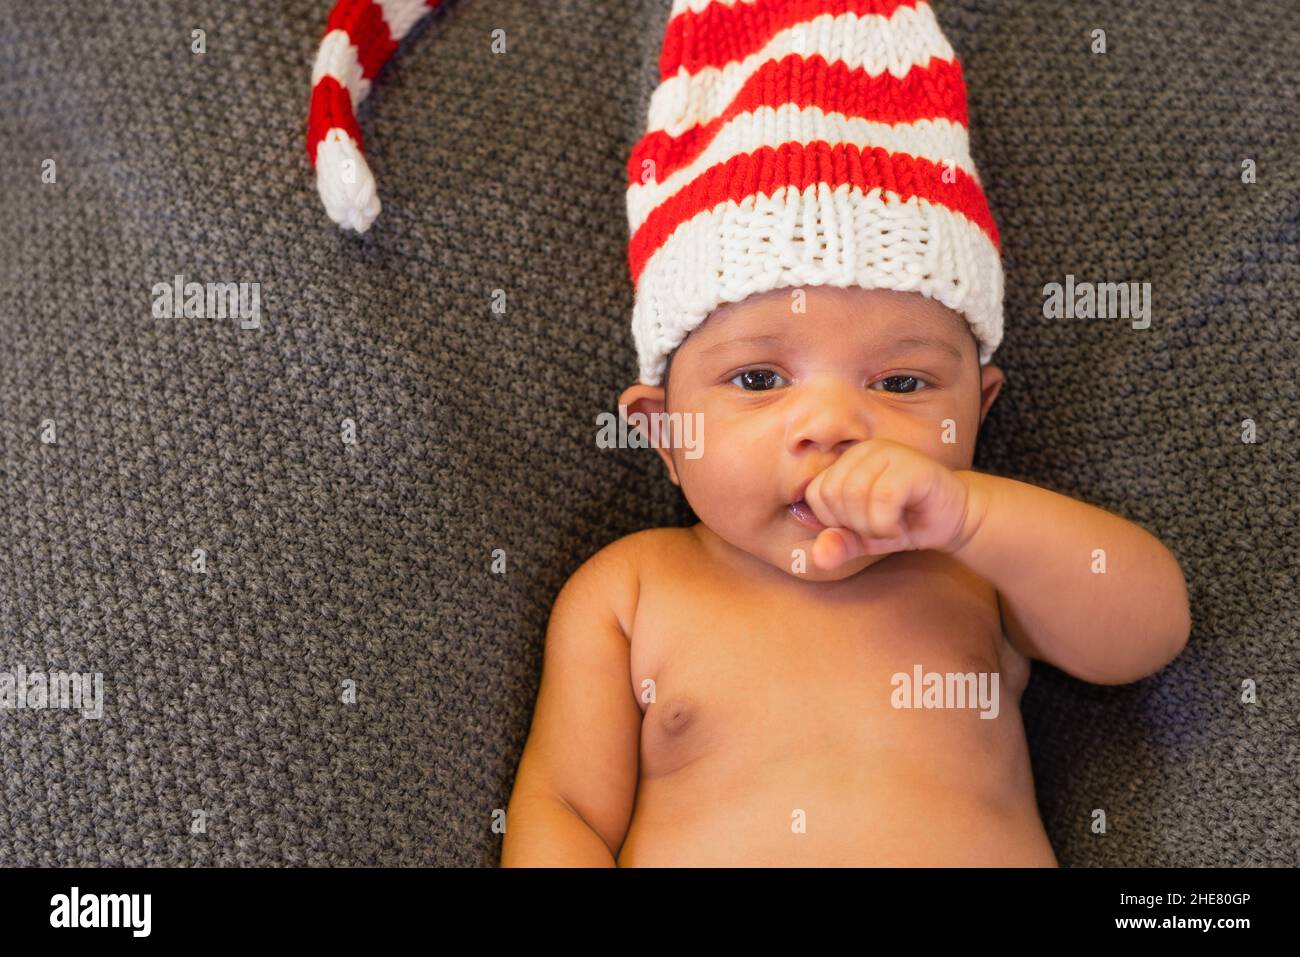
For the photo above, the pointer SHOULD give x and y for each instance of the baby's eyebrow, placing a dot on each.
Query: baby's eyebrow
(941, 344)
(745, 340)
(896, 345)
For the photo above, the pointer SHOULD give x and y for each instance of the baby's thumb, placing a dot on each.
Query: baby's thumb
(835, 546)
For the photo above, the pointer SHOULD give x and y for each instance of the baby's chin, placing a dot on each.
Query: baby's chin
(802, 566)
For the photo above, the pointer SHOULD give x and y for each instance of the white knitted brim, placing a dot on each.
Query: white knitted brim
(817, 237)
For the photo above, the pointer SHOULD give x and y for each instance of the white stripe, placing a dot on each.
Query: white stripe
(874, 42)
(402, 15)
(941, 141)
(820, 236)
(345, 183)
(338, 58)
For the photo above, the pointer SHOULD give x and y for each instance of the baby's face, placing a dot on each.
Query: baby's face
(782, 393)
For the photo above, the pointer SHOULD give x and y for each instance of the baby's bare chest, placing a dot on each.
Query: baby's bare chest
(727, 675)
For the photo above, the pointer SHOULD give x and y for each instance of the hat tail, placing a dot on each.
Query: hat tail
(360, 37)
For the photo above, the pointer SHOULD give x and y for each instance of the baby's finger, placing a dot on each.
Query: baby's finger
(884, 512)
(835, 546)
(883, 546)
(816, 498)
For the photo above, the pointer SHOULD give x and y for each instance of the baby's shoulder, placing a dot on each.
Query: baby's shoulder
(643, 548)
(651, 540)
(612, 576)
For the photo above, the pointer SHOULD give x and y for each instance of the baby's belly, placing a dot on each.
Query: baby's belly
(844, 806)
(783, 737)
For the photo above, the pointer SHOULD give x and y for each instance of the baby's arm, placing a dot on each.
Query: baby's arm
(576, 783)
(1039, 550)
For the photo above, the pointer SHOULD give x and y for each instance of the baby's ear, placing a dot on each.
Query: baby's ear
(991, 379)
(648, 400)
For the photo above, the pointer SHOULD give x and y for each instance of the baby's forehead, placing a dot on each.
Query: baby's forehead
(874, 313)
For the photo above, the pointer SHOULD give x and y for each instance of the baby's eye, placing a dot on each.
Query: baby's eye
(905, 383)
(757, 380)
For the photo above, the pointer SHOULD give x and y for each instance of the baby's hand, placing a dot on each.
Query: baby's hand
(881, 496)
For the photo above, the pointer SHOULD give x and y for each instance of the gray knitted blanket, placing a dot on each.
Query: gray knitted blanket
(274, 536)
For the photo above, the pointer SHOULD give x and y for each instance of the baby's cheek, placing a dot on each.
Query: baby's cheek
(724, 488)
(950, 442)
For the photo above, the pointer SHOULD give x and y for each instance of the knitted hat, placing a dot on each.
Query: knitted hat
(789, 143)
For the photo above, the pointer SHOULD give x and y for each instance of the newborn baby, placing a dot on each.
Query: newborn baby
(741, 692)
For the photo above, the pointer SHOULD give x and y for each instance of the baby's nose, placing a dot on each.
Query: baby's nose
(828, 418)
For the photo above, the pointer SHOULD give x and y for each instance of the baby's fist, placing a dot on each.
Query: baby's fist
(881, 496)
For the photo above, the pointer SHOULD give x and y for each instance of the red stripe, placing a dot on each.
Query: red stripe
(721, 34)
(935, 91)
(765, 171)
(366, 28)
(331, 106)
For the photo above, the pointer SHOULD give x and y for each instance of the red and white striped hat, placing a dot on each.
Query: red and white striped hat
(789, 143)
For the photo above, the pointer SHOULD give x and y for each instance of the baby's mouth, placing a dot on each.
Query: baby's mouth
(804, 515)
